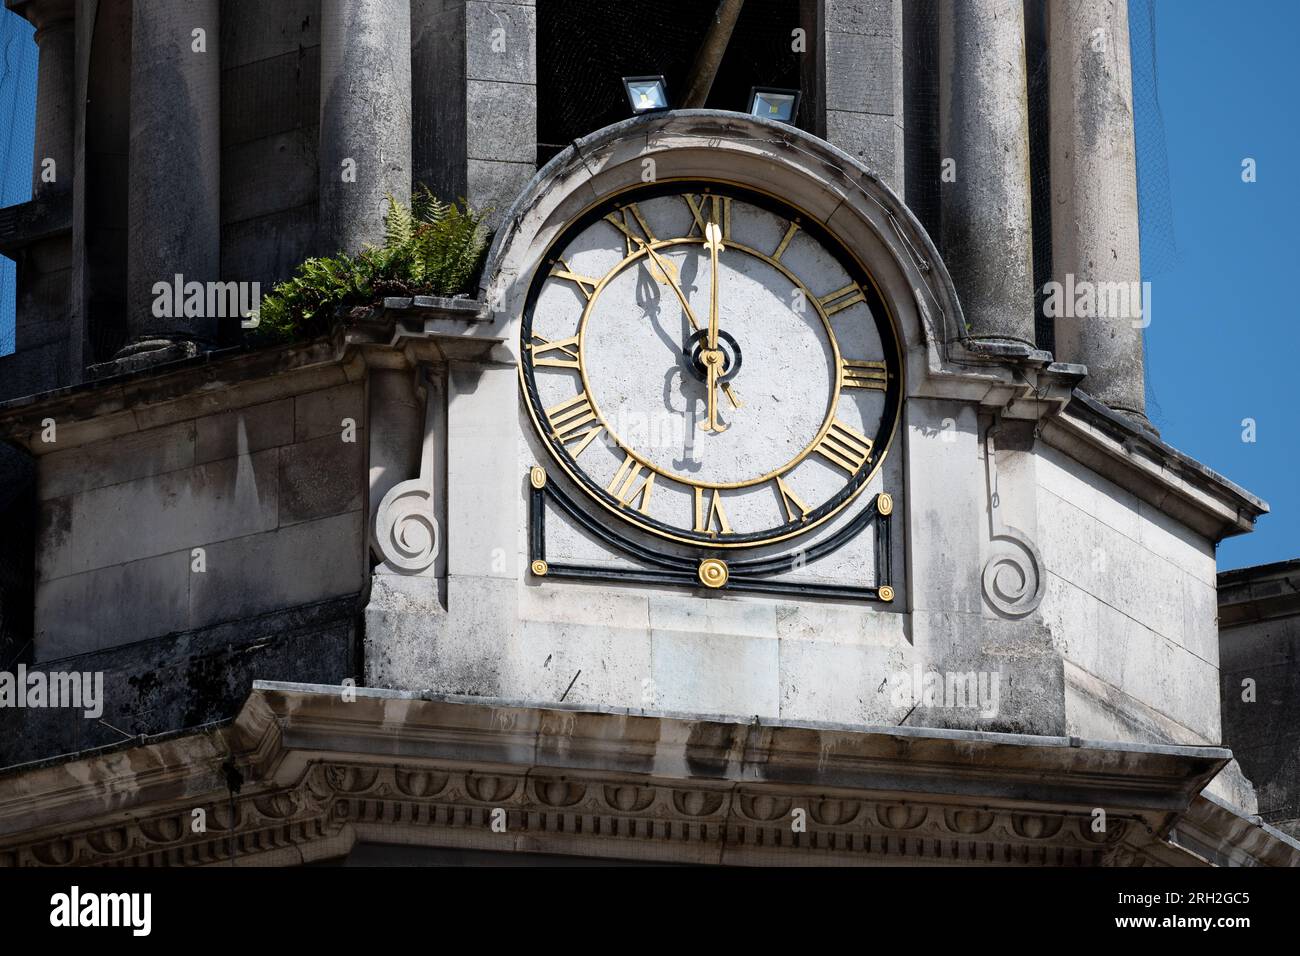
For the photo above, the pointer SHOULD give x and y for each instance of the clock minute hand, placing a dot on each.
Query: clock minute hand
(686, 307)
(713, 242)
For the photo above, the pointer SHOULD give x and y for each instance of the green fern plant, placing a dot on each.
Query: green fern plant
(430, 248)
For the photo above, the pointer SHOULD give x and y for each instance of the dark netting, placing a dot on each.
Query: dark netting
(585, 47)
(1159, 245)
(18, 106)
(17, 554)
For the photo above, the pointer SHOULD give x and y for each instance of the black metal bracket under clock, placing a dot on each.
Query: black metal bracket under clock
(750, 574)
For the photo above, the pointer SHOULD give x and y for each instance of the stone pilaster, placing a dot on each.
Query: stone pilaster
(984, 175)
(855, 62)
(475, 122)
(365, 118)
(174, 177)
(1094, 200)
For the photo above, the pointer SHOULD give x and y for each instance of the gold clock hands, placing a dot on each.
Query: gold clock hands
(712, 357)
(713, 242)
(686, 307)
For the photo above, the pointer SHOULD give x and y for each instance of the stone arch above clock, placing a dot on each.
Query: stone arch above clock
(809, 173)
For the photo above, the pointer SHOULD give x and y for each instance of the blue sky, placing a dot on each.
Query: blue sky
(1222, 342)
(1213, 85)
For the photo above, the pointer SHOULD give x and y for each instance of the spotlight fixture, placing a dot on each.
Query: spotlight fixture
(646, 94)
(773, 103)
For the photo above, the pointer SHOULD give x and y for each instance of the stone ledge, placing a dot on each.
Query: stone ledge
(1261, 593)
(134, 395)
(322, 767)
(1223, 836)
(41, 218)
(1137, 460)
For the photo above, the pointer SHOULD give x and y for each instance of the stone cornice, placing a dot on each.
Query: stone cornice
(1223, 836)
(1138, 461)
(402, 334)
(316, 772)
(1261, 593)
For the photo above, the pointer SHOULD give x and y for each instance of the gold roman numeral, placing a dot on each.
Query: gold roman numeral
(629, 226)
(706, 209)
(567, 349)
(841, 299)
(843, 446)
(705, 519)
(791, 501)
(586, 284)
(865, 374)
(624, 486)
(569, 420)
(785, 241)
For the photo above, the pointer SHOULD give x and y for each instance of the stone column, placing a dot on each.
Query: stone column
(56, 43)
(984, 171)
(1094, 200)
(174, 171)
(365, 118)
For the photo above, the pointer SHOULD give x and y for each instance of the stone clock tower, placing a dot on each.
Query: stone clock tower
(744, 514)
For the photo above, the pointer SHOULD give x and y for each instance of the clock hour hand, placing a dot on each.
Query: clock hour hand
(686, 307)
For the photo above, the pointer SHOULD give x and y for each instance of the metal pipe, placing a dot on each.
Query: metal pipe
(709, 59)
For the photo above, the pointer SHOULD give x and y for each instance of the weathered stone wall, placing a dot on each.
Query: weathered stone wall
(1259, 642)
(1131, 605)
(186, 680)
(269, 491)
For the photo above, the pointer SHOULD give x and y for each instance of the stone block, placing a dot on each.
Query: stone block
(1098, 711)
(861, 73)
(319, 478)
(269, 175)
(492, 186)
(703, 617)
(861, 16)
(807, 622)
(248, 114)
(509, 56)
(1030, 695)
(109, 606)
(258, 573)
(1179, 545)
(1200, 619)
(1089, 492)
(841, 683)
(485, 479)
(501, 121)
(253, 30)
(179, 510)
(414, 641)
(582, 664)
(321, 413)
(873, 140)
(946, 518)
(733, 675)
(188, 679)
(243, 431)
(139, 455)
(268, 249)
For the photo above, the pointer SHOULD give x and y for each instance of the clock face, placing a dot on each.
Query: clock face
(709, 364)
